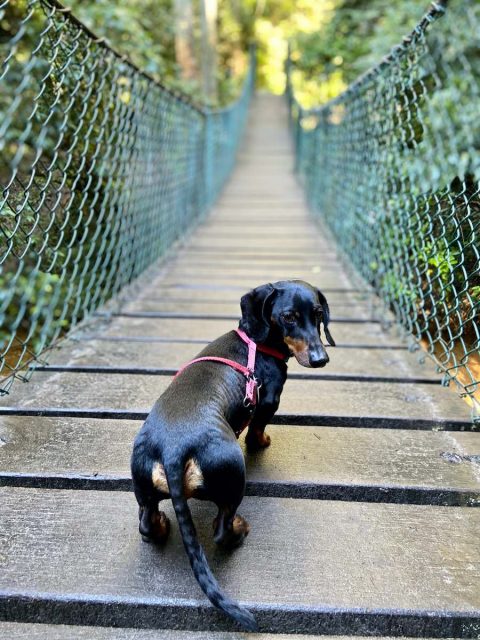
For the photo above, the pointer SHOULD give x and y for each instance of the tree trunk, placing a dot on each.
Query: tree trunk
(208, 48)
(184, 38)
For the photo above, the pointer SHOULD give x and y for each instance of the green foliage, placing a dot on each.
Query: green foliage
(144, 30)
(141, 29)
(101, 169)
(394, 169)
(356, 35)
(276, 22)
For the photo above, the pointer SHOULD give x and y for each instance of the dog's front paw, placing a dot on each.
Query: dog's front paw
(257, 440)
(240, 526)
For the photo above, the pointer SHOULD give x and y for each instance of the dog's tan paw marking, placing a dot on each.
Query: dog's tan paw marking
(160, 526)
(264, 440)
(258, 440)
(240, 526)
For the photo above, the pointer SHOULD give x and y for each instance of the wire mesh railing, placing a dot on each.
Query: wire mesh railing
(392, 165)
(101, 170)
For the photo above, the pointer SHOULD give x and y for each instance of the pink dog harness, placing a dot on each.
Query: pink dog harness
(252, 387)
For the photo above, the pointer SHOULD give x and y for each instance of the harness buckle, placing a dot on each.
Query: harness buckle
(251, 394)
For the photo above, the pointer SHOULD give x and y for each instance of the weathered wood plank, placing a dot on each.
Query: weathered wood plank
(385, 568)
(209, 316)
(234, 293)
(32, 631)
(259, 275)
(302, 462)
(274, 256)
(242, 269)
(253, 263)
(300, 397)
(363, 333)
(243, 283)
(156, 371)
(317, 420)
(258, 266)
(386, 362)
(218, 307)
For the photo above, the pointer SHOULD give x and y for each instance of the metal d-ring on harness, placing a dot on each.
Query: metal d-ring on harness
(253, 387)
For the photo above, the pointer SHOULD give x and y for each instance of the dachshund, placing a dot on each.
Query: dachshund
(187, 447)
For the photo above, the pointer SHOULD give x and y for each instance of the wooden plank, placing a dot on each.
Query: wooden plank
(280, 233)
(99, 337)
(155, 371)
(234, 293)
(207, 315)
(271, 255)
(318, 420)
(32, 631)
(260, 274)
(388, 362)
(220, 307)
(251, 263)
(212, 329)
(302, 462)
(327, 279)
(254, 260)
(299, 398)
(313, 245)
(307, 566)
(230, 288)
(257, 222)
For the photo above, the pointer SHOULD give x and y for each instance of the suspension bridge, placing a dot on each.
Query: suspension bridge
(362, 509)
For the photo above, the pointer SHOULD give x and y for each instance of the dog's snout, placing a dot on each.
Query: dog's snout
(318, 358)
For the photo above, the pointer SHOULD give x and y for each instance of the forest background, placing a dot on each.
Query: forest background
(201, 47)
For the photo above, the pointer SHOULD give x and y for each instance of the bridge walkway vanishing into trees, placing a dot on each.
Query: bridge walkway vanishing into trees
(361, 509)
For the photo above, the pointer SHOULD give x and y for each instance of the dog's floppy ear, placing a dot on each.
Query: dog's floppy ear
(326, 317)
(256, 313)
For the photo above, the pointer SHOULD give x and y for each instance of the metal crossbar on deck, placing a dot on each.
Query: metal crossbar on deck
(392, 166)
(101, 170)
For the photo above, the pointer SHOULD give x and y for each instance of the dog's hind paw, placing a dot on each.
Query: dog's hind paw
(157, 529)
(234, 535)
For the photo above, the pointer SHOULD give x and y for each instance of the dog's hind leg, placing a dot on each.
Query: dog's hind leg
(154, 526)
(230, 529)
(224, 477)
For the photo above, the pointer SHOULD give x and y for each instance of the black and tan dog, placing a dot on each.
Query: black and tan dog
(188, 445)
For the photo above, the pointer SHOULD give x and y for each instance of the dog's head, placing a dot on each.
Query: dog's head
(290, 313)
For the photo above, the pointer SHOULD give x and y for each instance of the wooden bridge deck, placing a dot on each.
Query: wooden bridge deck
(361, 510)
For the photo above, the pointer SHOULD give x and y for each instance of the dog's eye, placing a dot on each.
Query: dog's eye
(289, 317)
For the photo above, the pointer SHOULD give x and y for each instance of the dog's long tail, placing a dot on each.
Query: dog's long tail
(205, 578)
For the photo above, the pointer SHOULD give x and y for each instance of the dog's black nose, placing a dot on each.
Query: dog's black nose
(318, 359)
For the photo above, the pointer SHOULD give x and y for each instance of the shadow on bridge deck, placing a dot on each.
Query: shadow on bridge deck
(360, 529)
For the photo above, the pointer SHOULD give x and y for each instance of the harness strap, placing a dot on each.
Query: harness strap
(251, 390)
(231, 363)
(261, 347)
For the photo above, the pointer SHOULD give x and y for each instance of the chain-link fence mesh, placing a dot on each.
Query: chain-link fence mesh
(393, 166)
(101, 170)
